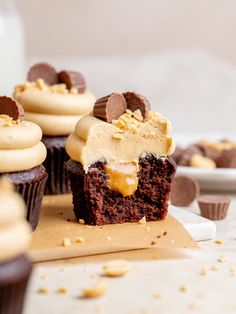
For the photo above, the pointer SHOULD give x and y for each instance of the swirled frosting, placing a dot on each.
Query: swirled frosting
(122, 141)
(20, 145)
(14, 230)
(55, 108)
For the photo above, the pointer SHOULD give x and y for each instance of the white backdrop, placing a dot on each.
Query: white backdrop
(178, 53)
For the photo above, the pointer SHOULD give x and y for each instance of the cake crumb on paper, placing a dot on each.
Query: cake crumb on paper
(43, 290)
(62, 290)
(116, 268)
(143, 220)
(204, 271)
(94, 291)
(153, 242)
(184, 288)
(79, 240)
(223, 258)
(81, 221)
(219, 241)
(66, 242)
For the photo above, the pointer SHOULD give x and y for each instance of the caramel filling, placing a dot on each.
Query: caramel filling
(123, 177)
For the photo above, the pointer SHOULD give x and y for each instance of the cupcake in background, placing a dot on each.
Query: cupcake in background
(55, 101)
(21, 156)
(15, 268)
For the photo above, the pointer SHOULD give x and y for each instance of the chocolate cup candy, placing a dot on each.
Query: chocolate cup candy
(214, 207)
(184, 190)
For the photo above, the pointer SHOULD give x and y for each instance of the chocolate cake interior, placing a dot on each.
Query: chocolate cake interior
(97, 204)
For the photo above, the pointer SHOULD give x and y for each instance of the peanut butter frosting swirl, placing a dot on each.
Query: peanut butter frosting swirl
(20, 145)
(14, 230)
(55, 108)
(122, 141)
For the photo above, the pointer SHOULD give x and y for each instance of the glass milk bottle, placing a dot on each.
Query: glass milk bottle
(12, 54)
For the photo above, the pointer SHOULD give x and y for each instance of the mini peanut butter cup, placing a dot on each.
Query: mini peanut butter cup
(72, 80)
(177, 154)
(136, 101)
(184, 190)
(43, 71)
(110, 107)
(184, 159)
(10, 107)
(227, 159)
(214, 207)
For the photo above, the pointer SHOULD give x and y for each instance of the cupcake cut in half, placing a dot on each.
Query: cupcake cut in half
(119, 168)
(21, 156)
(15, 268)
(55, 101)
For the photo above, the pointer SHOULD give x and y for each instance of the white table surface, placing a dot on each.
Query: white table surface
(134, 293)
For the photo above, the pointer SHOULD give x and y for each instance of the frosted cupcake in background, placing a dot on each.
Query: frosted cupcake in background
(21, 156)
(15, 268)
(55, 101)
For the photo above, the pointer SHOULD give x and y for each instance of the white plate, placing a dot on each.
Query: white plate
(220, 179)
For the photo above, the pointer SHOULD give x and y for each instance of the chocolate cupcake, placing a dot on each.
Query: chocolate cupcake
(119, 167)
(214, 207)
(15, 268)
(55, 101)
(21, 156)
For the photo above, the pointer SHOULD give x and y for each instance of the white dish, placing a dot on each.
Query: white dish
(219, 179)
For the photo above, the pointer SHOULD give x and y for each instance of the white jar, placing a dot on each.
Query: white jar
(12, 48)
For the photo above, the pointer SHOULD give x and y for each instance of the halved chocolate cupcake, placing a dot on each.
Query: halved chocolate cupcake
(119, 167)
(55, 101)
(21, 156)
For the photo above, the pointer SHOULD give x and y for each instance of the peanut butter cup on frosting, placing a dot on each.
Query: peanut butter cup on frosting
(55, 101)
(15, 236)
(119, 167)
(21, 156)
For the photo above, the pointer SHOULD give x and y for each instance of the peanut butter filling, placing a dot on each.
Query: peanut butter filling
(123, 177)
